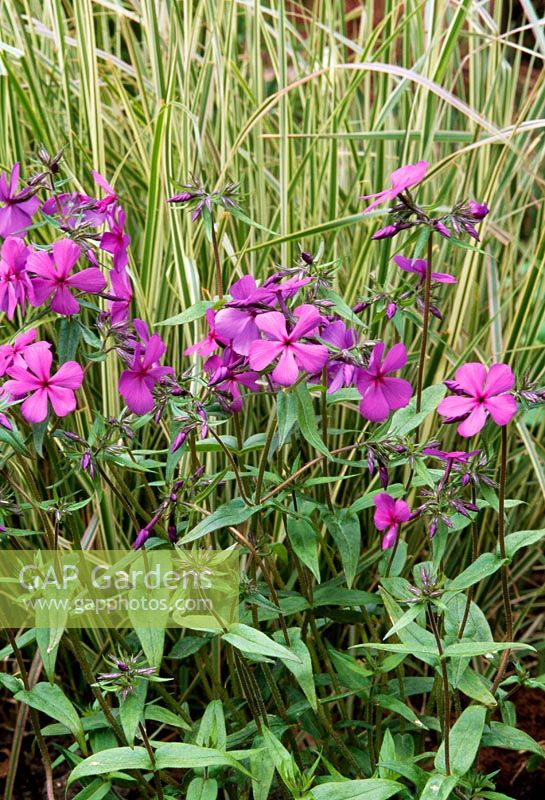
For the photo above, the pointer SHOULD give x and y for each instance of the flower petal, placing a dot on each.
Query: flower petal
(470, 378)
(63, 302)
(88, 280)
(34, 408)
(310, 357)
(135, 392)
(502, 409)
(263, 353)
(474, 423)
(62, 399)
(395, 359)
(397, 392)
(500, 379)
(273, 325)
(65, 255)
(374, 405)
(308, 319)
(455, 406)
(69, 375)
(286, 371)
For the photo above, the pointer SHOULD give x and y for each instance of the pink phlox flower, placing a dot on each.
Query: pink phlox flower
(74, 210)
(15, 284)
(111, 196)
(18, 207)
(477, 395)
(53, 277)
(454, 456)
(285, 289)
(211, 341)
(293, 354)
(419, 266)
(116, 241)
(144, 371)
(12, 353)
(228, 374)
(340, 368)
(121, 296)
(389, 514)
(32, 376)
(401, 179)
(236, 322)
(380, 393)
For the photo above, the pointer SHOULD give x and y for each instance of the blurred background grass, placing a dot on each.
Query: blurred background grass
(308, 106)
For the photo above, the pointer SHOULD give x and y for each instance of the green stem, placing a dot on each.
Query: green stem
(34, 717)
(446, 693)
(425, 326)
(505, 569)
(217, 262)
(474, 556)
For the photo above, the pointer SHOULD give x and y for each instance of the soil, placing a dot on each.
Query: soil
(514, 779)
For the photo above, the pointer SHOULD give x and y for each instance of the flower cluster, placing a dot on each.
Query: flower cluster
(267, 338)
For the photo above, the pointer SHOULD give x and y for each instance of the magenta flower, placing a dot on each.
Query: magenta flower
(12, 353)
(121, 296)
(293, 355)
(136, 383)
(116, 241)
(211, 341)
(19, 207)
(33, 378)
(74, 209)
(14, 282)
(236, 322)
(478, 394)
(389, 514)
(454, 456)
(419, 266)
(381, 394)
(54, 278)
(340, 367)
(228, 375)
(111, 197)
(403, 178)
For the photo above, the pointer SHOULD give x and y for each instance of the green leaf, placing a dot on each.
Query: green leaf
(255, 643)
(262, 770)
(131, 709)
(69, 337)
(344, 527)
(196, 311)
(116, 759)
(473, 685)
(304, 541)
(202, 789)
(307, 419)
(212, 731)
(302, 670)
(51, 700)
(231, 513)
(470, 649)
(96, 790)
(514, 541)
(439, 787)
(391, 703)
(371, 789)
(191, 756)
(485, 565)
(465, 738)
(409, 616)
(407, 419)
(286, 413)
(157, 713)
(501, 735)
(153, 642)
